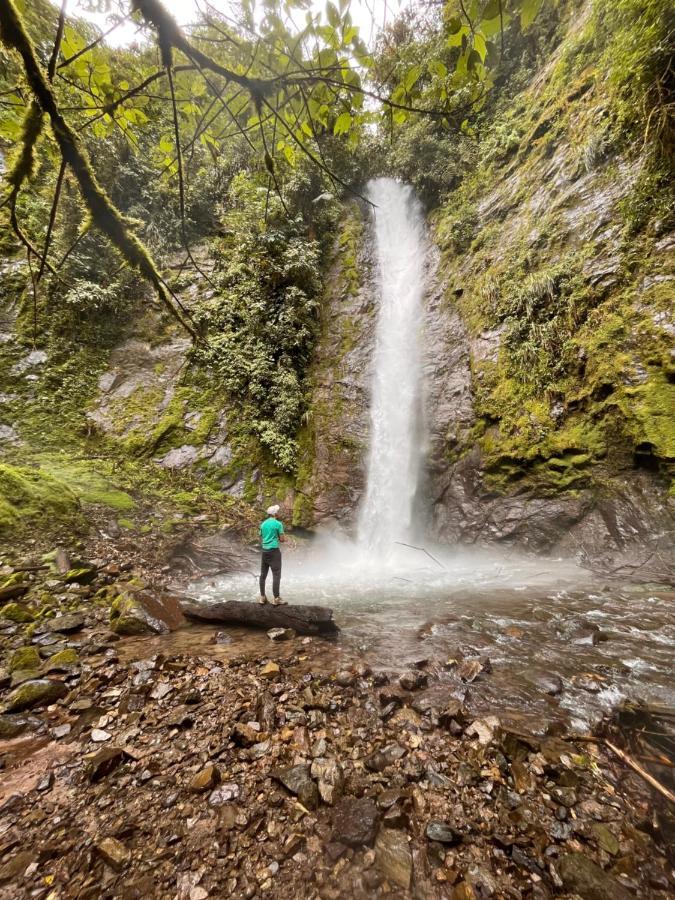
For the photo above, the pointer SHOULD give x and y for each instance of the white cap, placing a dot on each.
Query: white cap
(273, 510)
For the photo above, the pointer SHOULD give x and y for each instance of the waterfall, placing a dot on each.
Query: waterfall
(394, 461)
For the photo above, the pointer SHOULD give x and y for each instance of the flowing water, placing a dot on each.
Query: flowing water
(396, 603)
(395, 442)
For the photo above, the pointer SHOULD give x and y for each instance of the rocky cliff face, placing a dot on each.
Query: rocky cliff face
(549, 375)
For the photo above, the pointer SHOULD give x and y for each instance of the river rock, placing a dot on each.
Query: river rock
(114, 853)
(580, 875)
(15, 612)
(393, 857)
(36, 692)
(355, 822)
(281, 634)
(298, 780)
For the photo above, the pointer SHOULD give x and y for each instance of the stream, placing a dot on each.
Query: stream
(534, 619)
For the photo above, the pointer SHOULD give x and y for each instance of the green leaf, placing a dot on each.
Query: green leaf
(436, 67)
(456, 38)
(473, 60)
(166, 144)
(342, 124)
(333, 14)
(529, 12)
(479, 45)
(454, 25)
(492, 9)
(411, 77)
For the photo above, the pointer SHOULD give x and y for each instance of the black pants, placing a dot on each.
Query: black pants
(271, 559)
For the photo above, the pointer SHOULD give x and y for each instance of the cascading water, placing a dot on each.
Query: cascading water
(395, 442)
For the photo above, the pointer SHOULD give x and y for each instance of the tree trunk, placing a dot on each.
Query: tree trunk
(315, 620)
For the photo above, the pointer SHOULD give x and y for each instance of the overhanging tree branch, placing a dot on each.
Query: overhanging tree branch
(104, 213)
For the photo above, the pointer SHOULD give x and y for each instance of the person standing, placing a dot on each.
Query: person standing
(271, 534)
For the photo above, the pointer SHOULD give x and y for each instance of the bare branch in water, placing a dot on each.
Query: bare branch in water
(422, 550)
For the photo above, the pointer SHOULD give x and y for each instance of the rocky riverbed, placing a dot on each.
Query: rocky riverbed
(133, 768)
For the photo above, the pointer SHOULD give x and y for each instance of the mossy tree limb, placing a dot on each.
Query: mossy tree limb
(103, 211)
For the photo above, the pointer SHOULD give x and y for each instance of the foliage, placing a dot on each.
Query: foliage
(263, 318)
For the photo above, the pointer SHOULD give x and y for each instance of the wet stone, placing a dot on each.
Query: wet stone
(281, 634)
(412, 681)
(355, 822)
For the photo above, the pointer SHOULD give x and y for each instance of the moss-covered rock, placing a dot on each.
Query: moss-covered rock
(38, 692)
(24, 658)
(81, 575)
(29, 495)
(63, 661)
(17, 613)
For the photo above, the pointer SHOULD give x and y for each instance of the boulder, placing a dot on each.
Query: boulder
(139, 612)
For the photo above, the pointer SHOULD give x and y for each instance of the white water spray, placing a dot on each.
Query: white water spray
(395, 442)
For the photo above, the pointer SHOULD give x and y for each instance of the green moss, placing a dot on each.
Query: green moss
(28, 495)
(89, 481)
(129, 524)
(25, 658)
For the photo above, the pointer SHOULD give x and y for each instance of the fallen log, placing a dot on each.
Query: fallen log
(314, 620)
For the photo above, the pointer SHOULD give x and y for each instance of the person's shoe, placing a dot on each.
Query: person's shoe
(279, 602)
(262, 599)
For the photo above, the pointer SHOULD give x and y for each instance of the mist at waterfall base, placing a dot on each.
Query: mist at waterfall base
(398, 596)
